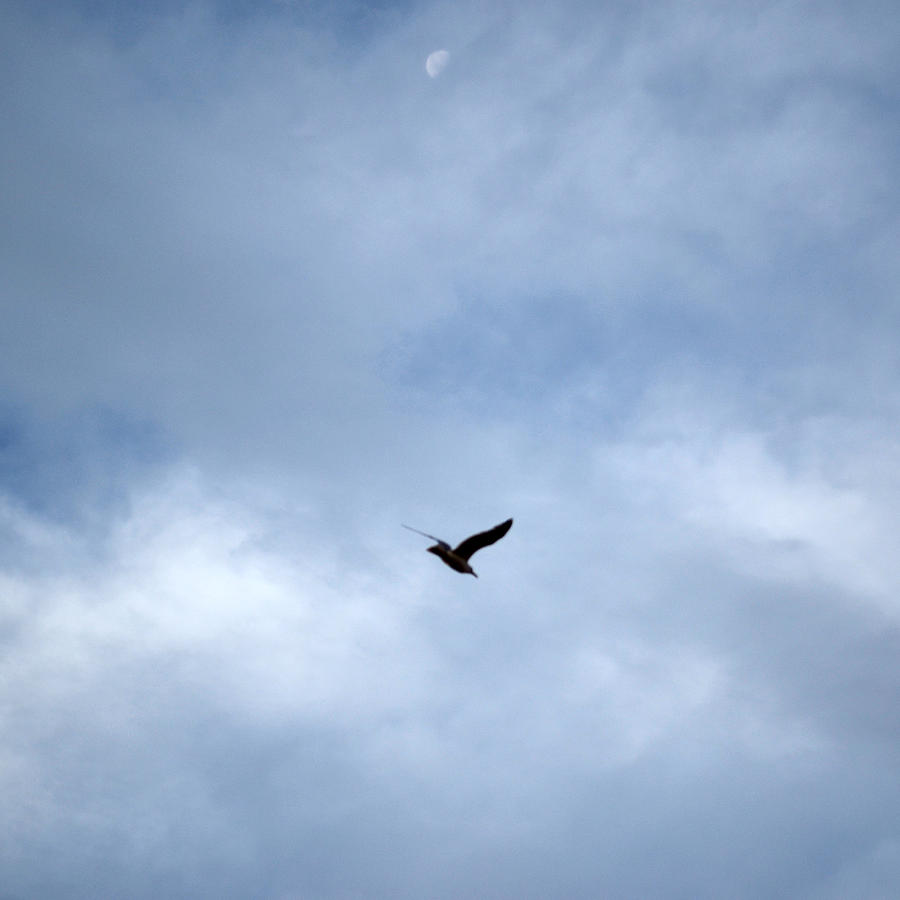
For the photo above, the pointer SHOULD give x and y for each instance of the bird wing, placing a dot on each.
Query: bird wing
(444, 544)
(484, 538)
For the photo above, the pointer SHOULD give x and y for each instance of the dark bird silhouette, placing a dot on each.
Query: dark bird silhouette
(459, 558)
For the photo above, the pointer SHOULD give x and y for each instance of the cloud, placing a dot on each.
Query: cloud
(301, 692)
(627, 276)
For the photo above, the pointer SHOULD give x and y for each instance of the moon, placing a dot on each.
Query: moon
(436, 62)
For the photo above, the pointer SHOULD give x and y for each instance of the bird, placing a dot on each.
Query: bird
(458, 558)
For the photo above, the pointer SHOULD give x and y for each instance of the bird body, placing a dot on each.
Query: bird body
(458, 558)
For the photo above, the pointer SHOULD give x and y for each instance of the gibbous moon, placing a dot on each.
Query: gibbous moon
(436, 62)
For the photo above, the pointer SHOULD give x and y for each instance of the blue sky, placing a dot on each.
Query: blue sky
(624, 272)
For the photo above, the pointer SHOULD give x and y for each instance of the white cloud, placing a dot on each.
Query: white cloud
(824, 514)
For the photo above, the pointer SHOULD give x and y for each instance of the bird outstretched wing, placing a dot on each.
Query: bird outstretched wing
(483, 539)
(444, 544)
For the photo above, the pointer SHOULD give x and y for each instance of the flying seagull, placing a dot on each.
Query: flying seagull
(459, 558)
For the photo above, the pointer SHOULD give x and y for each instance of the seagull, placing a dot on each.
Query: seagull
(459, 558)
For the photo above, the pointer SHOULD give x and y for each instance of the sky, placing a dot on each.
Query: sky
(624, 272)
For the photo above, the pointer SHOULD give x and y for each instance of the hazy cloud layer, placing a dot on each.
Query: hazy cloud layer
(625, 272)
